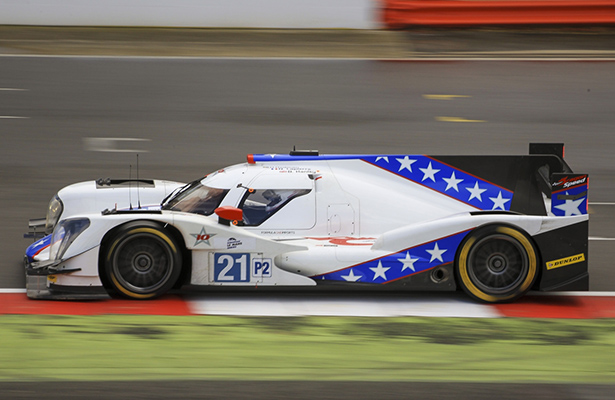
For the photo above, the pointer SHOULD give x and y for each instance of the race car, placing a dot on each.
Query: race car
(493, 226)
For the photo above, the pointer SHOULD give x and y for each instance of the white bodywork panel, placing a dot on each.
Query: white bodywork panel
(86, 197)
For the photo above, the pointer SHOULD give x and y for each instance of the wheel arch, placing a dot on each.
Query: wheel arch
(520, 228)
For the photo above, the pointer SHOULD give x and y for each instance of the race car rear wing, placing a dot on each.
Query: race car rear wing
(566, 192)
(531, 179)
(557, 149)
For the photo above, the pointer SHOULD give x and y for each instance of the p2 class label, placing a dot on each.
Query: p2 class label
(262, 267)
(231, 267)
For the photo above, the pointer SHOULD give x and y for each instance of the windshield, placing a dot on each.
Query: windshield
(196, 198)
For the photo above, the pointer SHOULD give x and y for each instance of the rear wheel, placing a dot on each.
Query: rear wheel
(142, 261)
(497, 263)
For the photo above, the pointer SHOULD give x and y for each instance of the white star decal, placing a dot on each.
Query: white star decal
(452, 182)
(408, 262)
(475, 192)
(429, 172)
(385, 158)
(380, 271)
(571, 207)
(499, 202)
(37, 244)
(405, 163)
(351, 277)
(436, 253)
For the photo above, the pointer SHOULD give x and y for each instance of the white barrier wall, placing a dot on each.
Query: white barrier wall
(353, 14)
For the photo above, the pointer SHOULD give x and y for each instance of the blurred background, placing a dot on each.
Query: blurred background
(193, 86)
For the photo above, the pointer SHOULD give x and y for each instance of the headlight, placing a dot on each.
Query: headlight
(53, 213)
(64, 234)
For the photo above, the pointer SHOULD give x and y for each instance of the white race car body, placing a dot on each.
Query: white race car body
(382, 221)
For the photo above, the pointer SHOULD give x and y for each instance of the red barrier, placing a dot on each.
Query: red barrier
(404, 13)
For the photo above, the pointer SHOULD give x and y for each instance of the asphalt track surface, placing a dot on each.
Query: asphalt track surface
(193, 116)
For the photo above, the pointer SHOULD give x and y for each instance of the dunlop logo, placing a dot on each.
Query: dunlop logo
(565, 261)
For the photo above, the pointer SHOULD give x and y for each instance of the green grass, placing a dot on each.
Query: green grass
(114, 347)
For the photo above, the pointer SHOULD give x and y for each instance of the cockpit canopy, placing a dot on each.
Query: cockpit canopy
(196, 198)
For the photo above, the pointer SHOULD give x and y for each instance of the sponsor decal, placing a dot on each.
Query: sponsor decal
(570, 181)
(233, 243)
(202, 237)
(293, 170)
(565, 261)
(277, 232)
(569, 195)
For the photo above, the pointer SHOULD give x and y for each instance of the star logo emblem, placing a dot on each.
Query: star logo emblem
(408, 262)
(499, 202)
(452, 182)
(351, 277)
(385, 158)
(38, 244)
(429, 173)
(380, 271)
(476, 192)
(436, 253)
(571, 207)
(405, 163)
(202, 237)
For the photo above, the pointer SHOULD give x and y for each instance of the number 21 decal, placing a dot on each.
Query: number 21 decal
(231, 267)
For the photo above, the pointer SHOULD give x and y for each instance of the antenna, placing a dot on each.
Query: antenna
(138, 194)
(130, 186)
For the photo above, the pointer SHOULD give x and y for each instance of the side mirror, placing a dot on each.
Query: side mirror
(228, 214)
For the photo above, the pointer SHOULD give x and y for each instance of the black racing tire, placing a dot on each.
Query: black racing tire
(142, 261)
(497, 263)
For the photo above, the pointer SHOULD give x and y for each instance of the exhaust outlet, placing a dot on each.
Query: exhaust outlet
(439, 275)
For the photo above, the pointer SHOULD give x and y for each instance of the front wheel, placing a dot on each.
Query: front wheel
(497, 263)
(142, 262)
